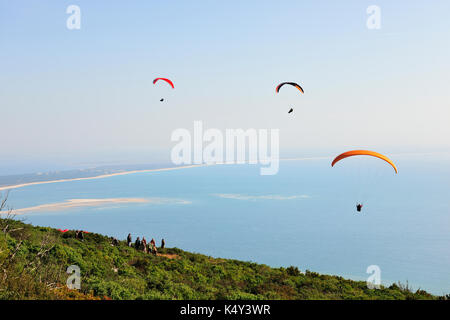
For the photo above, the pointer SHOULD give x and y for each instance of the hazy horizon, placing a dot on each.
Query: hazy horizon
(86, 96)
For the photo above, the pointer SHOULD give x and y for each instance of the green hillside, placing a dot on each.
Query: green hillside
(33, 263)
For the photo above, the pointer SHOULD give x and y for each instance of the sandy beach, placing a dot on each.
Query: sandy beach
(97, 177)
(102, 176)
(77, 203)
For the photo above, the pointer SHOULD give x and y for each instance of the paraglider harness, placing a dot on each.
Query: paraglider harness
(359, 207)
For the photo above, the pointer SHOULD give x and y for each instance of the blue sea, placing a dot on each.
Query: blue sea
(303, 216)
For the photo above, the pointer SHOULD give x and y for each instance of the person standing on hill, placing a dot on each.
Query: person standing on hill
(144, 244)
(129, 240)
(163, 243)
(137, 243)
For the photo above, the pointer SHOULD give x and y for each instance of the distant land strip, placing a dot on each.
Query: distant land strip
(101, 176)
(98, 177)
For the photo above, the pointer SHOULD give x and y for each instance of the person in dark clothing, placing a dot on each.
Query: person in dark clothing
(359, 207)
(163, 243)
(115, 242)
(137, 243)
(79, 234)
(129, 240)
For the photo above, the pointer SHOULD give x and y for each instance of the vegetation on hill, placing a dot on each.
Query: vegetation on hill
(34, 260)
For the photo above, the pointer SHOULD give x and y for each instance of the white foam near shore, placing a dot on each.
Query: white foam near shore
(78, 203)
(260, 197)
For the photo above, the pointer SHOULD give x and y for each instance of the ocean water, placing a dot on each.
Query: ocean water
(304, 216)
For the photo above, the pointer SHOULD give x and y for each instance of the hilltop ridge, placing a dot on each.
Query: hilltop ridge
(34, 260)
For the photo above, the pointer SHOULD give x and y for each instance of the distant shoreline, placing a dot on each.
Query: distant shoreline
(102, 176)
(107, 175)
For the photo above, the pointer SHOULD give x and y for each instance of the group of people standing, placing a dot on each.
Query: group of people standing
(79, 234)
(142, 245)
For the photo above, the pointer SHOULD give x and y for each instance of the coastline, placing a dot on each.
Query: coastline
(102, 176)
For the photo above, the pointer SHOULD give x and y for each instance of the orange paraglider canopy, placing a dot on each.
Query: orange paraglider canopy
(277, 89)
(363, 153)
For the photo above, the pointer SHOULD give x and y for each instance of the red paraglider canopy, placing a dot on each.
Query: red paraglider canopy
(167, 80)
(65, 230)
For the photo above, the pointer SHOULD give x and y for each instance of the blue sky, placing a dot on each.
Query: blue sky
(85, 96)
